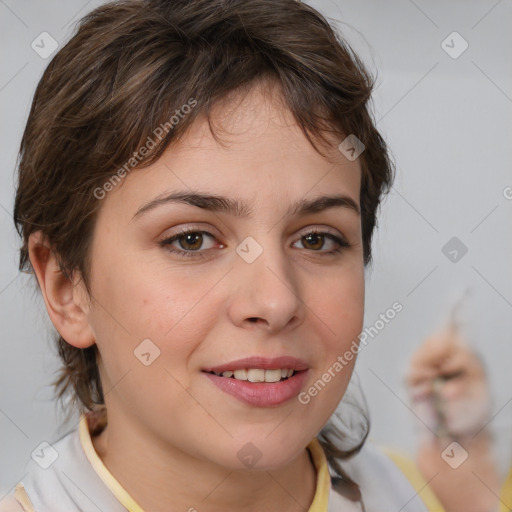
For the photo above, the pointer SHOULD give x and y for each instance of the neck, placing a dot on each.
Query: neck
(157, 477)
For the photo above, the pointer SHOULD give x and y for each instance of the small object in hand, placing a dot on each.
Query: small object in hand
(438, 403)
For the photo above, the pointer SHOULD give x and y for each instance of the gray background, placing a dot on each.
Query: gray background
(448, 122)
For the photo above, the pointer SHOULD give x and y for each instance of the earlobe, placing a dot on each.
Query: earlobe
(68, 314)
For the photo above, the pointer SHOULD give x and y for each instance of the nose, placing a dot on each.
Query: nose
(267, 292)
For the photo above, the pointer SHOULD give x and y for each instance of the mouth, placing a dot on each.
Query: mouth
(260, 382)
(257, 374)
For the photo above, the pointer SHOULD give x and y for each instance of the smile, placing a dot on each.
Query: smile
(260, 381)
(257, 374)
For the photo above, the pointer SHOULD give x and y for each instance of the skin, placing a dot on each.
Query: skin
(168, 424)
(474, 486)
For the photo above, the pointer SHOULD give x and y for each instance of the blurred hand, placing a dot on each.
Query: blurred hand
(448, 386)
(450, 393)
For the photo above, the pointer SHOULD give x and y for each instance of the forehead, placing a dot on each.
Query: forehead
(257, 152)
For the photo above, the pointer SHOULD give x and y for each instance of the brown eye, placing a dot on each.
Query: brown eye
(322, 242)
(191, 241)
(313, 241)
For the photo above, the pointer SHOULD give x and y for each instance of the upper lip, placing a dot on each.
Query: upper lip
(259, 362)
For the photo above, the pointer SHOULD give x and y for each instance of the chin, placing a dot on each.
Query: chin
(263, 452)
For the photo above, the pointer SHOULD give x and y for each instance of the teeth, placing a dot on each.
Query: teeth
(272, 375)
(258, 374)
(241, 374)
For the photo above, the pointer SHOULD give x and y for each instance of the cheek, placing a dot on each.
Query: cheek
(339, 313)
(345, 312)
(139, 296)
(135, 303)
(341, 303)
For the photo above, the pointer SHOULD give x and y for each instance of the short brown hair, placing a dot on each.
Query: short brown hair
(128, 68)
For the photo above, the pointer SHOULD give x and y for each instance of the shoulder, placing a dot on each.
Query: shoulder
(61, 476)
(17, 501)
(9, 504)
(382, 483)
(411, 471)
(42, 476)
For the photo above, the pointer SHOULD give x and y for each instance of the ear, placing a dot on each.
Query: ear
(67, 302)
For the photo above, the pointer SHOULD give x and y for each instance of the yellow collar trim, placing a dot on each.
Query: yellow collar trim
(108, 478)
(320, 500)
(506, 494)
(323, 478)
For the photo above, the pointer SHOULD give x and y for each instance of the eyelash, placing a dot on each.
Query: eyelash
(342, 244)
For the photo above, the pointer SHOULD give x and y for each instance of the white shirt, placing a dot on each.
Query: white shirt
(78, 481)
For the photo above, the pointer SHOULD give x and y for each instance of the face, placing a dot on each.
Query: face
(187, 294)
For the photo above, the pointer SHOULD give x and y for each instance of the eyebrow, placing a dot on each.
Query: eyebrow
(240, 208)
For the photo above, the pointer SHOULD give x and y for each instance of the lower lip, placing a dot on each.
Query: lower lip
(261, 394)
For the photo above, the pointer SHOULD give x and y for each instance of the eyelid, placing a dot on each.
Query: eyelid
(302, 232)
(169, 240)
(321, 230)
(184, 229)
(338, 239)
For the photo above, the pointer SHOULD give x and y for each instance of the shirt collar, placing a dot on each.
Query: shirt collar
(320, 499)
